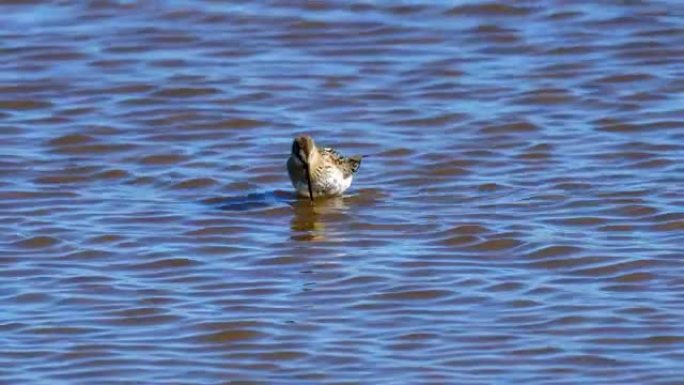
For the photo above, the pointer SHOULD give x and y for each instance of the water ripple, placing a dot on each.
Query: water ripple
(517, 218)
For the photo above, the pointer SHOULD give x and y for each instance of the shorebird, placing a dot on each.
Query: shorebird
(319, 172)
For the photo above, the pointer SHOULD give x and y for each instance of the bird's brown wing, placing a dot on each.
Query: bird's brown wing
(348, 166)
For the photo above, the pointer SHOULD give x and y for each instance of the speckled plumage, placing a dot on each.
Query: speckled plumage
(330, 172)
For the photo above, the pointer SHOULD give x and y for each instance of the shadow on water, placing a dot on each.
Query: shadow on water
(253, 201)
(311, 220)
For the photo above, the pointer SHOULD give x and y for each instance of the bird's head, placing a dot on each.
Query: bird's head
(303, 148)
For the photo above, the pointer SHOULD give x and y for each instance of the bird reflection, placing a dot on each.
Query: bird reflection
(308, 221)
(309, 218)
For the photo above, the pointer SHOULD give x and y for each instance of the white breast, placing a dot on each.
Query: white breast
(331, 183)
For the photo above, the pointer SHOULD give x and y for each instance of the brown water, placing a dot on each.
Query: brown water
(520, 220)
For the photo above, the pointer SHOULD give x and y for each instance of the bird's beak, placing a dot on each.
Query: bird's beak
(308, 181)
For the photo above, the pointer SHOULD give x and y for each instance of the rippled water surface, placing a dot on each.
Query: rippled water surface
(519, 219)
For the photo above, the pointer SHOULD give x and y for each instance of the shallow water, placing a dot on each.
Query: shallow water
(520, 218)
